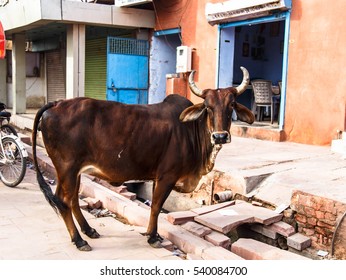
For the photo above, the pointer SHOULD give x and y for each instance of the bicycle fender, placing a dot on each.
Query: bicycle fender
(19, 142)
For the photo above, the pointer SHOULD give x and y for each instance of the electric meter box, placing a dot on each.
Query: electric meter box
(183, 59)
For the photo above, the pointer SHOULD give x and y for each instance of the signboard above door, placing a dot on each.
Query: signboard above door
(233, 10)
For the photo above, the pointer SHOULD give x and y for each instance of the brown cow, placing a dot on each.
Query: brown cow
(166, 142)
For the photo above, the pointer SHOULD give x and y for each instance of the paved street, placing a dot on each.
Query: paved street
(30, 229)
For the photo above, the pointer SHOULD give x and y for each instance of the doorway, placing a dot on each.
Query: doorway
(163, 61)
(261, 46)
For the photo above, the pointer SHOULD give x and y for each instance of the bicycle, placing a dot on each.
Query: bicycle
(13, 155)
(4, 115)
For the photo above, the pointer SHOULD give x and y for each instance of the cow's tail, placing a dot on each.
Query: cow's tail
(53, 200)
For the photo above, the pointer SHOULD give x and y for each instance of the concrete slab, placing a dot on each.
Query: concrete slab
(290, 166)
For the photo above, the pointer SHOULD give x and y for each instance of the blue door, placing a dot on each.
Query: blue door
(127, 70)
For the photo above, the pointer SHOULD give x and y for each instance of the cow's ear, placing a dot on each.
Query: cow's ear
(192, 113)
(244, 114)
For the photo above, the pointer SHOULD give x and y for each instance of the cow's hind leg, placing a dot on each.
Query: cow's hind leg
(162, 190)
(85, 227)
(66, 190)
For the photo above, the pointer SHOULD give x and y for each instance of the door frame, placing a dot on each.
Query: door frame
(283, 16)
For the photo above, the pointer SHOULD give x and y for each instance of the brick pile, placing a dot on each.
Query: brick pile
(317, 218)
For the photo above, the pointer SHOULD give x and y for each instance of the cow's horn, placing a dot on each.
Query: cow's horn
(193, 86)
(246, 80)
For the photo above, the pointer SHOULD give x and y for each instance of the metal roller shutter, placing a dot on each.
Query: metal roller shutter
(56, 83)
(96, 68)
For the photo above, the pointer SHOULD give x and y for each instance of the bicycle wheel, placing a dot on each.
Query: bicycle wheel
(12, 163)
(8, 129)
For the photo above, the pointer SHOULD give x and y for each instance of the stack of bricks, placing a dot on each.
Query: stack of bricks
(317, 217)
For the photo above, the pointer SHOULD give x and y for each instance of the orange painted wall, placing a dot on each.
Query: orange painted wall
(195, 32)
(316, 89)
(316, 86)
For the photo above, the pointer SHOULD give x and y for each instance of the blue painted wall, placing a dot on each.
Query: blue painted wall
(267, 37)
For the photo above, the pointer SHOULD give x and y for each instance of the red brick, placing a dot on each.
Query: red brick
(312, 221)
(308, 231)
(319, 215)
(324, 231)
(300, 218)
(330, 217)
(310, 212)
(326, 223)
(328, 206)
(305, 200)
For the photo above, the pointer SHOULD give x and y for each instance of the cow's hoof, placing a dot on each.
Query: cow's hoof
(155, 241)
(157, 244)
(92, 233)
(85, 248)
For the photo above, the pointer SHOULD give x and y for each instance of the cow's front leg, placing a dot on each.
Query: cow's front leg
(162, 190)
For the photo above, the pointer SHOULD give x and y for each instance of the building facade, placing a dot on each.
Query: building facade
(297, 45)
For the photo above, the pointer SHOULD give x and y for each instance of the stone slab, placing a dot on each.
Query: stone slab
(219, 253)
(196, 229)
(251, 249)
(282, 228)
(264, 231)
(298, 241)
(207, 209)
(180, 217)
(218, 239)
(226, 219)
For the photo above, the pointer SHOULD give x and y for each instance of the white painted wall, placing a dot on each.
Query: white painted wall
(162, 62)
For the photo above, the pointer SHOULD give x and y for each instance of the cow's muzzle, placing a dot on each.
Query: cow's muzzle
(220, 137)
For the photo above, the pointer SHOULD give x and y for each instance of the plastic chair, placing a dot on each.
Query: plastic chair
(263, 95)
